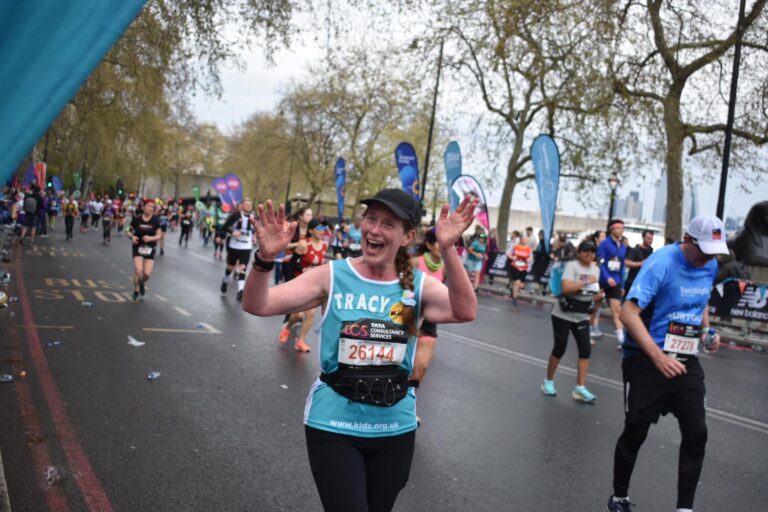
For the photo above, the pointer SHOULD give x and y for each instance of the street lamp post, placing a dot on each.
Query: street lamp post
(613, 182)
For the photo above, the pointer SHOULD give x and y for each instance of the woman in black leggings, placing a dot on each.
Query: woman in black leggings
(186, 228)
(571, 314)
(360, 418)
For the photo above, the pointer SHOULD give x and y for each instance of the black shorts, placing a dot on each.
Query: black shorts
(220, 233)
(337, 250)
(517, 275)
(243, 256)
(30, 220)
(135, 252)
(648, 394)
(164, 228)
(612, 292)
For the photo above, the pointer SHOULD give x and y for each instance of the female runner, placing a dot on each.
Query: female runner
(144, 232)
(312, 253)
(360, 415)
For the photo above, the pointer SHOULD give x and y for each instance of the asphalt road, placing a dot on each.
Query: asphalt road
(221, 429)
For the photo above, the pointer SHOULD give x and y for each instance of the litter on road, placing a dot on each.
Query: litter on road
(134, 342)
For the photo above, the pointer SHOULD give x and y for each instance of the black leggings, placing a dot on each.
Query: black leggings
(359, 474)
(580, 330)
(69, 223)
(184, 235)
(649, 394)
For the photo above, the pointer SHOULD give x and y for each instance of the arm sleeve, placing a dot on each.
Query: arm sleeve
(648, 282)
(228, 225)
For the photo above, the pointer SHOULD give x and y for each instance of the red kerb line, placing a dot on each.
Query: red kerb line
(41, 456)
(93, 494)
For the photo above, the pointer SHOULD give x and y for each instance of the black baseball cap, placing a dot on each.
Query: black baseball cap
(402, 204)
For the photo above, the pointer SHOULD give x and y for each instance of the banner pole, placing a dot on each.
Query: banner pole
(423, 187)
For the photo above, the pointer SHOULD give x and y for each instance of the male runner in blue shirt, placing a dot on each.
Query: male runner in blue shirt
(611, 255)
(666, 318)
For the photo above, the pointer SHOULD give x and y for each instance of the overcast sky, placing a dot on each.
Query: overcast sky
(258, 88)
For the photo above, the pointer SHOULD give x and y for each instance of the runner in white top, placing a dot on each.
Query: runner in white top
(240, 226)
(96, 208)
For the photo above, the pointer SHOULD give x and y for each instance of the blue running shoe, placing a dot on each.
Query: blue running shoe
(582, 394)
(618, 505)
(548, 387)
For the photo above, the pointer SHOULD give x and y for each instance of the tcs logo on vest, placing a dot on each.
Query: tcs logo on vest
(356, 330)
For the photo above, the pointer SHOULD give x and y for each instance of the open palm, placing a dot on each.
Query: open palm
(450, 225)
(273, 231)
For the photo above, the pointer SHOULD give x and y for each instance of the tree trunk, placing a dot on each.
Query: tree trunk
(674, 161)
(510, 182)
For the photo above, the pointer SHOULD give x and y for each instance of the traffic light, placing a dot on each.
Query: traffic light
(119, 188)
(49, 183)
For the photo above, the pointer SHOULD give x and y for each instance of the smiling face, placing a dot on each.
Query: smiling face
(383, 234)
(586, 257)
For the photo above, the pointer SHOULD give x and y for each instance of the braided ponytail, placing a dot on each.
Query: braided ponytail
(405, 271)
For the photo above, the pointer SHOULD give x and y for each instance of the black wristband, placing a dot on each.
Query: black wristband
(261, 265)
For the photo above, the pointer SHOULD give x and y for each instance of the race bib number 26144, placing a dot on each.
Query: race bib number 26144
(369, 342)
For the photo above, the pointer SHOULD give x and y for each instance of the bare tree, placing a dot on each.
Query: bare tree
(672, 60)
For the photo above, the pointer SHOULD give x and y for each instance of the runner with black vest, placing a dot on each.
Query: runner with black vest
(667, 319)
(360, 415)
(240, 226)
(144, 232)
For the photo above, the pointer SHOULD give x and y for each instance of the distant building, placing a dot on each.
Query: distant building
(633, 207)
(691, 204)
(630, 207)
(619, 205)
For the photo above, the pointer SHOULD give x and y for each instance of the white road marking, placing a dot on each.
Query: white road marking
(208, 329)
(489, 308)
(182, 311)
(161, 298)
(613, 384)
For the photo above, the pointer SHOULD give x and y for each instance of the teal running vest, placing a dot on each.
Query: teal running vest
(353, 298)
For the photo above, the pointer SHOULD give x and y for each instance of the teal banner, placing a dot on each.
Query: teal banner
(48, 48)
(452, 158)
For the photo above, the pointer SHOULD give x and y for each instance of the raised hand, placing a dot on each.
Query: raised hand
(273, 231)
(451, 225)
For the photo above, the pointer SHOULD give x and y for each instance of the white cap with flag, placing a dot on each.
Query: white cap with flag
(709, 233)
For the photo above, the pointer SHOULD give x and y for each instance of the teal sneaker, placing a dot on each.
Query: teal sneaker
(548, 387)
(582, 394)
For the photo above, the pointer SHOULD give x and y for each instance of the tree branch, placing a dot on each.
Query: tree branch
(654, 10)
(724, 45)
(621, 88)
(691, 130)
